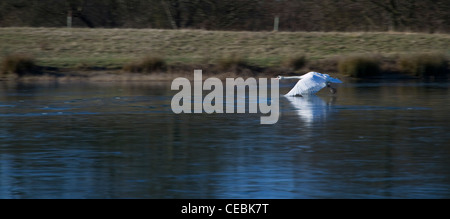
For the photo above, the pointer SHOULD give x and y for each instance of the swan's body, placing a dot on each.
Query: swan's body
(311, 83)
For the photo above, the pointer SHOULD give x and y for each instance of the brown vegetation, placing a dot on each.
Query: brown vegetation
(146, 65)
(295, 62)
(232, 63)
(19, 64)
(359, 66)
(421, 65)
(424, 65)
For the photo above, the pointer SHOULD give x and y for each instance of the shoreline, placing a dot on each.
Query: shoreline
(115, 76)
(120, 76)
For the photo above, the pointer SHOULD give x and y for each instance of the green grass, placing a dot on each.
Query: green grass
(114, 48)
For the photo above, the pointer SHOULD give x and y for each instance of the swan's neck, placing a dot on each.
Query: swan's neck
(292, 77)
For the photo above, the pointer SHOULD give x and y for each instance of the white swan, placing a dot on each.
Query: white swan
(311, 83)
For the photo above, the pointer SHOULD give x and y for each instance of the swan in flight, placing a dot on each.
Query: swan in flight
(311, 83)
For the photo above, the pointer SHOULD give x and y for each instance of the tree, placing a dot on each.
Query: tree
(294, 15)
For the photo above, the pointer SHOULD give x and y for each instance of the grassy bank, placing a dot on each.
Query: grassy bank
(115, 48)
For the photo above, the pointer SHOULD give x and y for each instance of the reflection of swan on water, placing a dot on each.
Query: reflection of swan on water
(309, 108)
(311, 83)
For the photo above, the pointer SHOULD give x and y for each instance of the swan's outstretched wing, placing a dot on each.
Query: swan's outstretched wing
(333, 80)
(309, 83)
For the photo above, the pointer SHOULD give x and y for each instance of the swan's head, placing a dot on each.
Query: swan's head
(332, 89)
(280, 77)
(330, 82)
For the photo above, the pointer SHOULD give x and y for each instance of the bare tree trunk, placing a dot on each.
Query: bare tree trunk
(392, 8)
(169, 14)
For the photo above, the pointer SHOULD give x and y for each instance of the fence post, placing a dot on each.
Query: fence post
(69, 19)
(275, 23)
